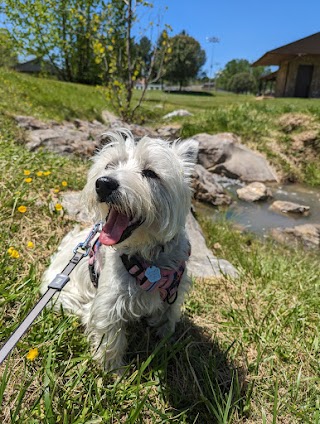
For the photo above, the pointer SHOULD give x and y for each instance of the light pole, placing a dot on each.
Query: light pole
(213, 41)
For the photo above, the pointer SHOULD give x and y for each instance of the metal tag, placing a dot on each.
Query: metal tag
(153, 274)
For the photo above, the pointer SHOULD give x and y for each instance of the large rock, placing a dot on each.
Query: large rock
(207, 189)
(289, 207)
(78, 137)
(202, 262)
(254, 192)
(223, 154)
(307, 234)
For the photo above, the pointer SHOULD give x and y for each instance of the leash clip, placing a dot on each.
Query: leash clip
(85, 245)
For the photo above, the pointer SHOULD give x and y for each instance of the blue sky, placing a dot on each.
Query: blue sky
(247, 29)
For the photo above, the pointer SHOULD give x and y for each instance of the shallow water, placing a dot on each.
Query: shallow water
(257, 217)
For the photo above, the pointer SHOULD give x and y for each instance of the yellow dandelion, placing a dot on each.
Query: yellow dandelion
(26, 172)
(30, 245)
(32, 354)
(28, 180)
(39, 174)
(64, 183)
(22, 209)
(46, 173)
(13, 253)
(58, 207)
(56, 190)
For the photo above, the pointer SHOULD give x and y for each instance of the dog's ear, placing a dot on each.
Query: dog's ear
(187, 151)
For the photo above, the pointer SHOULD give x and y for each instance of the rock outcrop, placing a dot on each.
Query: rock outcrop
(207, 189)
(223, 154)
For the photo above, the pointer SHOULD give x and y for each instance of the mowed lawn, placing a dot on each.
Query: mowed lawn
(247, 349)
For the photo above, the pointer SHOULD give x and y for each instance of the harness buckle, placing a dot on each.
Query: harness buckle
(85, 245)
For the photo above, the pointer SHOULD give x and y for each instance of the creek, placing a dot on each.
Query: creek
(257, 217)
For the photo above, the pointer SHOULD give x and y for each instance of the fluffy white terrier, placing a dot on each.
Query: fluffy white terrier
(142, 193)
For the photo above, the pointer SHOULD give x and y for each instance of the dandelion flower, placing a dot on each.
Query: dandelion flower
(39, 174)
(56, 190)
(46, 173)
(30, 245)
(28, 180)
(32, 354)
(64, 183)
(26, 172)
(58, 207)
(22, 209)
(13, 253)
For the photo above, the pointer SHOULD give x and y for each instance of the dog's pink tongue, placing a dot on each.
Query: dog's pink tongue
(113, 228)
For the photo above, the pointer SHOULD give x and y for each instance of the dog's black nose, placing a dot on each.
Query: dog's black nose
(105, 186)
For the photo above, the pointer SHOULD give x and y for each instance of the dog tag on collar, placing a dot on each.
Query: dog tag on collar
(153, 274)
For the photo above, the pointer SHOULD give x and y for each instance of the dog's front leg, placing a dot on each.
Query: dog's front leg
(106, 328)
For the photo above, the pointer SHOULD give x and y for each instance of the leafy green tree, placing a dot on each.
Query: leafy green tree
(62, 32)
(238, 66)
(243, 82)
(8, 49)
(186, 59)
(144, 53)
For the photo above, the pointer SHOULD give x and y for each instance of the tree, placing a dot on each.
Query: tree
(144, 53)
(8, 50)
(186, 59)
(125, 60)
(243, 82)
(239, 66)
(88, 41)
(61, 32)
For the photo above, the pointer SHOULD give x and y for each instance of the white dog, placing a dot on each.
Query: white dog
(136, 268)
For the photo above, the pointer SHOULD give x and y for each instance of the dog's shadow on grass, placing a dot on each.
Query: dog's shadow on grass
(194, 373)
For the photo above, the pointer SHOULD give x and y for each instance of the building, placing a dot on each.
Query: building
(299, 68)
(36, 66)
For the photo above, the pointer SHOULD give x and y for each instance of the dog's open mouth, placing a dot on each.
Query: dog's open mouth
(117, 228)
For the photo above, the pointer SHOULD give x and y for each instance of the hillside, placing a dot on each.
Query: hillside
(286, 131)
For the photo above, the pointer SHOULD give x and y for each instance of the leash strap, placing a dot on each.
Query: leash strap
(57, 284)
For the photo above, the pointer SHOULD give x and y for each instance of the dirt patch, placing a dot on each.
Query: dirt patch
(292, 121)
(305, 139)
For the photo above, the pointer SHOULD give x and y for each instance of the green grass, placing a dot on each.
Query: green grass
(22, 94)
(247, 349)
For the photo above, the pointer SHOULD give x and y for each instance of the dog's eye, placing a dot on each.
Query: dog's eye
(148, 173)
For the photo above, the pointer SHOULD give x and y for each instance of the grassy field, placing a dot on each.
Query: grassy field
(246, 351)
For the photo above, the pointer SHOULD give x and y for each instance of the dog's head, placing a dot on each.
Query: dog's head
(141, 190)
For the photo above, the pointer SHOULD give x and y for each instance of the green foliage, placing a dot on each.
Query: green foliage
(8, 49)
(243, 82)
(185, 60)
(62, 32)
(225, 78)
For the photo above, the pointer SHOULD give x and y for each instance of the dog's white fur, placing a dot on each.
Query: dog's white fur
(162, 204)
